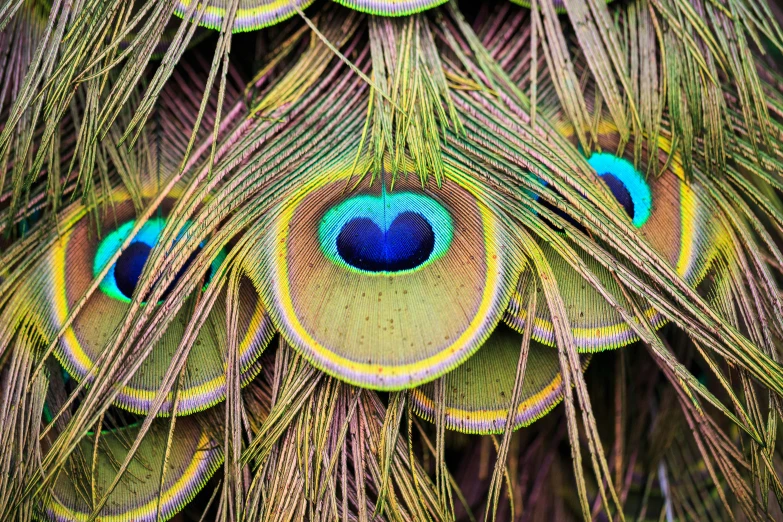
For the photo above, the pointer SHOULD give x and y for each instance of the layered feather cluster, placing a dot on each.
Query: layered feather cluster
(227, 288)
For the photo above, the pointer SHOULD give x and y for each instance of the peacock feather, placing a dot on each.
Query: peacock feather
(315, 260)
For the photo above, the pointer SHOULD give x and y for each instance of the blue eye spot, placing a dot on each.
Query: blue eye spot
(129, 266)
(620, 193)
(407, 243)
(391, 233)
(123, 277)
(627, 185)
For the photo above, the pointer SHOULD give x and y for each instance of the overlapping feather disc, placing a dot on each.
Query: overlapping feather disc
(677, 220)
(249, 15)
(479, 392)
(386, 262)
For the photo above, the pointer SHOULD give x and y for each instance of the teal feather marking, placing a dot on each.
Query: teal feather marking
(148, 236)
(608, 164)
(383, 211)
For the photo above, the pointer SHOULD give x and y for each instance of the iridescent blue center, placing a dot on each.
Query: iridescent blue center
(405, 245)
(391, 233)
(129, 266)
(620, 193)
(123, 277)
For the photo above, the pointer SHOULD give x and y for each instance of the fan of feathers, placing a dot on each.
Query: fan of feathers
(406, 260)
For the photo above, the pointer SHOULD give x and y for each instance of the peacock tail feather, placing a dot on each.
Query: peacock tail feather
(314, 260)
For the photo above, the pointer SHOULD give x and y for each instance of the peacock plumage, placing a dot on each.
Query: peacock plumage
(390, 260)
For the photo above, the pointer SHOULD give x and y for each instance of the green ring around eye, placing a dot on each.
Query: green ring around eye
(608, 165)
(148, 235)
(392, 233)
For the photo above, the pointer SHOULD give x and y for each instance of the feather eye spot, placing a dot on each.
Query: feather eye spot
(383, 264)
(123, 276)
(620, 193)
(129, 266)
(407, 243)
(389, 234)
(626, 184)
